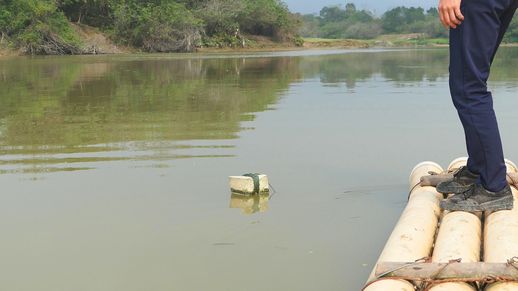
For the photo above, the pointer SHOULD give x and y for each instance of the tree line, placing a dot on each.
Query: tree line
(42, 26)
(349, 22)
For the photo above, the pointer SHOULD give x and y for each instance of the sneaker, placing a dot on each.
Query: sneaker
(462, 180)
(477, 198)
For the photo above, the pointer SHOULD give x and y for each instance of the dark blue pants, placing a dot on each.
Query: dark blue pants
(473, 46)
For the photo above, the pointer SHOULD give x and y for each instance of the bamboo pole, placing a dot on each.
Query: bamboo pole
(501, 241)
(506, 286)
(501, 231)
(459, 237)
(501, 236)
(452, 286)
(413, 235)
(451, 271)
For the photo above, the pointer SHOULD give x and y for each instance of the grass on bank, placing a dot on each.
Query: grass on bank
(391, 40)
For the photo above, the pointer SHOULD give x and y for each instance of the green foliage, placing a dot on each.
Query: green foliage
(227, 22)
(299, 41)
(5, 17)
(221, 16)
(335, 22)
(349, 22)
(395, 20)
(512, 31)
(97, 13)
(268, 18)
(223, 40)
(37, 27)
(310, 26)
(41, 26)
(163, 26)
(413, 20)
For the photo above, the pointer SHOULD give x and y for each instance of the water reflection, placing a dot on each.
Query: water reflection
(93, 110)
(71, 113)
(250, 204)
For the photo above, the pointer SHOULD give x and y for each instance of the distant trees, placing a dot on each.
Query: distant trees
(350, 22)
(413, 20)
(512, 32)
(335, 22)
(399, 19)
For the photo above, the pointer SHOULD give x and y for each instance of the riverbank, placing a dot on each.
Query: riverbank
(97, 42)
(390, 40)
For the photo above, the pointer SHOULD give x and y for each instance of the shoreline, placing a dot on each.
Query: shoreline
(10, 54)
(326, 45)
(201, 51)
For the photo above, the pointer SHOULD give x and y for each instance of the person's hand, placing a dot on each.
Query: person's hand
(450, 14)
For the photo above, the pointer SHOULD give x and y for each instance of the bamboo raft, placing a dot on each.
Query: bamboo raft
(436, 250)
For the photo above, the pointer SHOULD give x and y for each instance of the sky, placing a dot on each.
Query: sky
(377, 6)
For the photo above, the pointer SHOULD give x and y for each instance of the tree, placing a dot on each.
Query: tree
(268, 18)
(162, 26)
(221, 16)
(332, 14)
(91, 12)
(37, 27)
(396, 20)
(350, 9)
(512, 32)
(310, 26)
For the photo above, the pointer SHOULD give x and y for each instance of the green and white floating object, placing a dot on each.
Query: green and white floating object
(249, 184)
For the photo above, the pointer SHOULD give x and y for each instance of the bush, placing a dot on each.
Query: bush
(226, 20)
(162, 27)
(97, 13)
(42, 26)
(299, 41)
(38, 28)
(221, 16)
(268, 18)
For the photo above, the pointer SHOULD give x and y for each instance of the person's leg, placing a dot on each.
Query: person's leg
(472, 47)
(505, 20)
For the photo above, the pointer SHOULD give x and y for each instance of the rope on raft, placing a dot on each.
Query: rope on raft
(433, 280)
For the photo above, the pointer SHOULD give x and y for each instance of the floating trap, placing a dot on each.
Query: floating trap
(249, 184)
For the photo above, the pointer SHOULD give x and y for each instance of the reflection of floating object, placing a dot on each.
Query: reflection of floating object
(415, 237)
(250, 204)
(249, 184)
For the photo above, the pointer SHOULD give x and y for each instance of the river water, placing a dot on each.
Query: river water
(113, 169)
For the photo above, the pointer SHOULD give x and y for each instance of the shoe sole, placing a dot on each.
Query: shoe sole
(504, 203)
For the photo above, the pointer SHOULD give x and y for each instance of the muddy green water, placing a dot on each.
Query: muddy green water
(113, 169)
